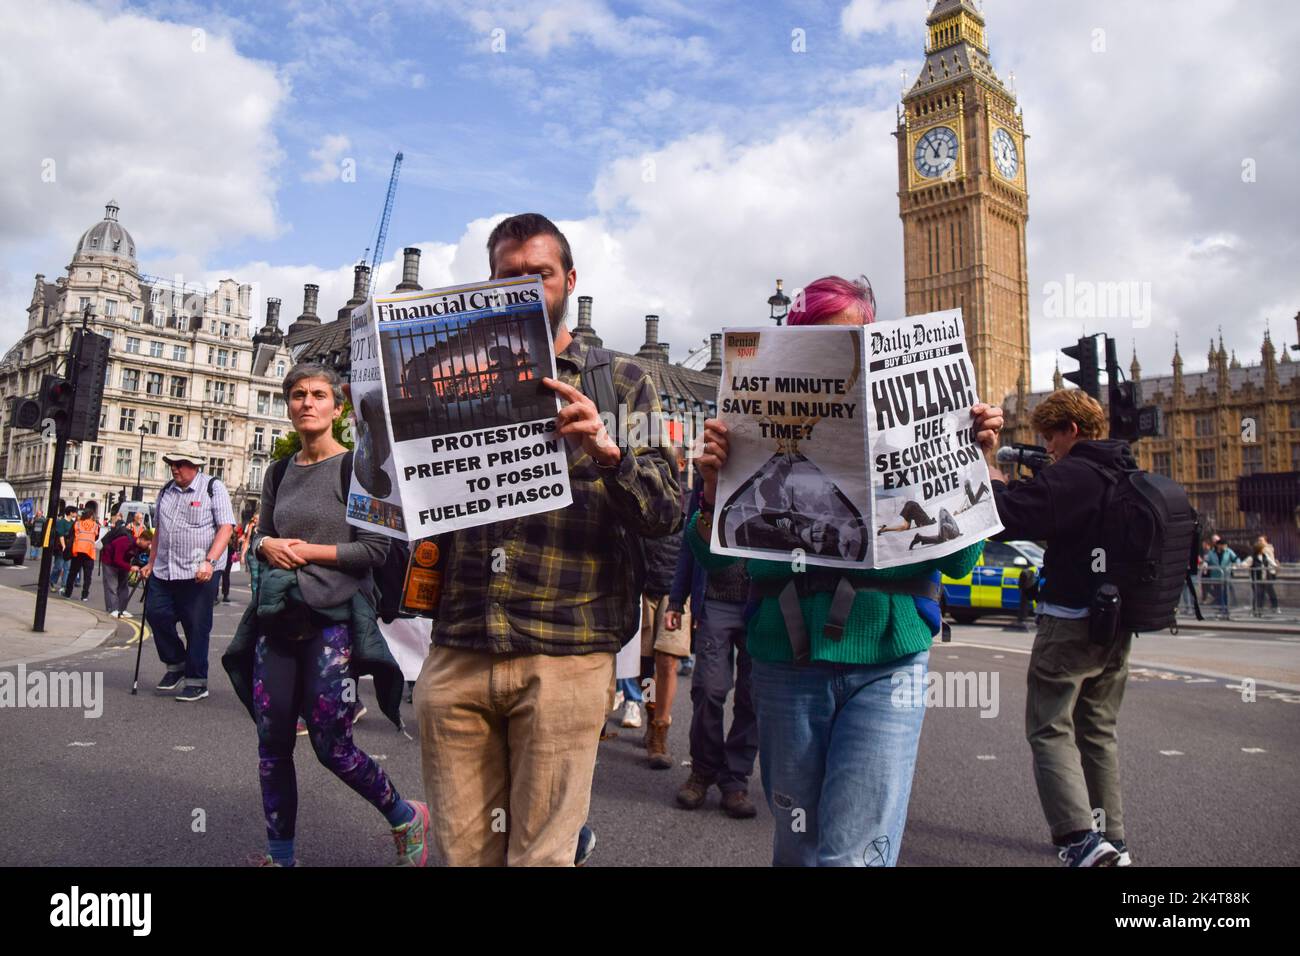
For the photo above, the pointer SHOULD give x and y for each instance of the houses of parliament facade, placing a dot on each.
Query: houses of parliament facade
(1230, 435)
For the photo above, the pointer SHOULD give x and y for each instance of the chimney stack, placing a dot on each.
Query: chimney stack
(714, 364)
(584, 330)
(360, 283)
(410, 270)
(269, 333)
(309, 318)
(650, 348)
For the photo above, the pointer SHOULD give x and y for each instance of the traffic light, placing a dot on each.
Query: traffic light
(1085, 353)
(24, 413)
(92, 351)
(56, 401)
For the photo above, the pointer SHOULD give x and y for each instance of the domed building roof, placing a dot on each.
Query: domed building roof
(107, 237)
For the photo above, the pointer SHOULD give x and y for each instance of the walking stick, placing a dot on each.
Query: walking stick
(144, 623)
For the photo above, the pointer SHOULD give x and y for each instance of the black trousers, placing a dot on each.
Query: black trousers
(86, 565)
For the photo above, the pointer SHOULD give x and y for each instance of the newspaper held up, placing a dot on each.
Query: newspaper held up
(851, 446)
(930, 482)
(459, 429)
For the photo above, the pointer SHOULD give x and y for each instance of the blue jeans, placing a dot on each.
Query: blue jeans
(189, 604)
(58, 568)
(837, 757)
(630, 688)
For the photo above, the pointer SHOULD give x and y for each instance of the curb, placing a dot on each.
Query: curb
(105, 627)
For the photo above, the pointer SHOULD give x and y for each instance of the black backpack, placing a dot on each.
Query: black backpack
(389, 579)
(598, 385)
(1149, 534)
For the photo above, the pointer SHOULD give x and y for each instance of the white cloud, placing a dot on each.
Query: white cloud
(878, 16)
(327, 156)
(125, 107)
(557, 24)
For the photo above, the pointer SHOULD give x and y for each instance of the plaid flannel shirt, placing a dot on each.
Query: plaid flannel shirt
(560, 584)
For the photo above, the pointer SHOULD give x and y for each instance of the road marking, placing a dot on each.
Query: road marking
(998, 657)
(1253, 750)
(952, 657)
(183, 749)
(986, 757)
(82, 743)
(1172, 753)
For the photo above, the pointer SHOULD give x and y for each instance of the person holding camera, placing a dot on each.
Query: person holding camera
(1076, 678)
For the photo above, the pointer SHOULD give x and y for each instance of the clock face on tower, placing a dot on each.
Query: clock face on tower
(936, 152)
(1005, 154)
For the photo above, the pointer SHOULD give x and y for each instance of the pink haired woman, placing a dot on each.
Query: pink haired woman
(837, 754)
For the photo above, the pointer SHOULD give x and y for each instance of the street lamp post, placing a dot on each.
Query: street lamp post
(139, 471)
(779, 303)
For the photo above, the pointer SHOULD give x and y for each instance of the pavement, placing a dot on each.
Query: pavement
(70, 627)
(1210, 764)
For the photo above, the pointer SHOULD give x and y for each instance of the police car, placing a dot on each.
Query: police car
(993, 586)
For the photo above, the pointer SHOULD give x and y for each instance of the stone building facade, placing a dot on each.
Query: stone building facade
(1230, 435)
(183, 365)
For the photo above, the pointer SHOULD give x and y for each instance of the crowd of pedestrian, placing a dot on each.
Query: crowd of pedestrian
(519, 682)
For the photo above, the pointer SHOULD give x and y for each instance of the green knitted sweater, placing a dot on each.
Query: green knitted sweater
(881, 627)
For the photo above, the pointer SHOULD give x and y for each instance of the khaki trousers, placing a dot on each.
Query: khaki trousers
(509, 748)
(1076, 688)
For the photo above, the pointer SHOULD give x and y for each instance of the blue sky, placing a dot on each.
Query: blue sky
(692, 151)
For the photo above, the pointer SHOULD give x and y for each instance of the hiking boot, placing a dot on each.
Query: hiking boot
(657, 746)
(410, 838)
(649, 719)
(1091, 850)
(738, 805)
(693, 791)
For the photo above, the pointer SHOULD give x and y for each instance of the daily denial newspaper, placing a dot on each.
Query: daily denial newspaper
(851, 446)
(455, 428)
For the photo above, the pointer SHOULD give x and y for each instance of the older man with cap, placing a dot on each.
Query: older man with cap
(193, 525)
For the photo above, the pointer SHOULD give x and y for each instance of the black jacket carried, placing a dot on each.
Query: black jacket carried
(1062, 505)
(661, 563)
(272, 598)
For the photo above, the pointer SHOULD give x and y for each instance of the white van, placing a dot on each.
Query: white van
(13, 533)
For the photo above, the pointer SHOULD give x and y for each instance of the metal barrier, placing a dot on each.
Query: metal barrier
(1244, 594)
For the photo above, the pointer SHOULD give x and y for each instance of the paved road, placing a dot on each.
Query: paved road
(1209, 779)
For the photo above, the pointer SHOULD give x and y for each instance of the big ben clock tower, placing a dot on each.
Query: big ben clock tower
(963, 198)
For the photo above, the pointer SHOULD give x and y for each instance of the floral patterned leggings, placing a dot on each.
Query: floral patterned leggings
(310, 677)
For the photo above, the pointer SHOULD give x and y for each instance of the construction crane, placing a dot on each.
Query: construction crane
(383, 222)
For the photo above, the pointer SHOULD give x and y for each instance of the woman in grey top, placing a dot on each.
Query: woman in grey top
(303, 668)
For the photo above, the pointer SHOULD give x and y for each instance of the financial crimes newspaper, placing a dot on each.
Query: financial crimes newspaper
(851, 446)
(454, 426)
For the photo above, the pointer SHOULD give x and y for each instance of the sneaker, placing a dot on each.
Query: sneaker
(631, 715)
(738, 805)
(686, 667)
(126, 614)
(171, 680)
(114, 613)
(86, 599)
(694, 790)
(1092, 850)
(192, 693)
(1125, 858)
(266, 859)
(586, 845)
(657, 746)
(410, 838)
(618, 701)
(302, 727)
